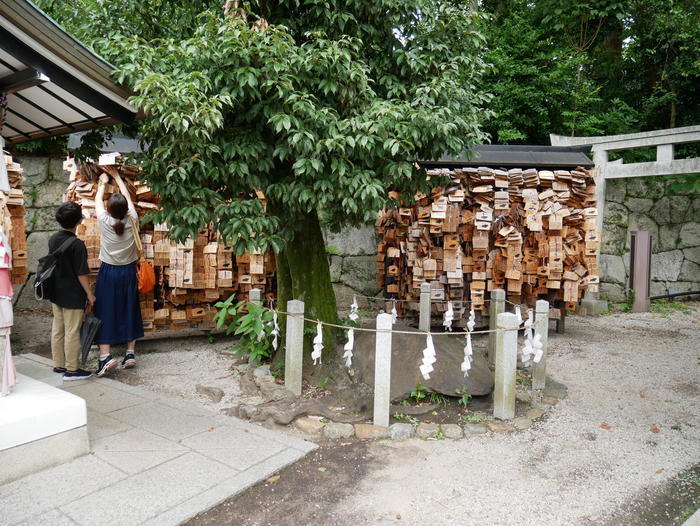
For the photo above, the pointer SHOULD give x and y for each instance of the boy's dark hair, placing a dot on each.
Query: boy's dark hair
(69, 214)
(117, 207)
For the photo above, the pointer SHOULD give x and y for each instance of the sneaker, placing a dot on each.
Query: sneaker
(129, 361)
(59, 370)
(105, 365)
(80, 374)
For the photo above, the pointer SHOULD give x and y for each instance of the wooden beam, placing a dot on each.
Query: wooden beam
(20, 80)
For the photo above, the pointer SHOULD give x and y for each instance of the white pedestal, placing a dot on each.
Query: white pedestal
(40, 426)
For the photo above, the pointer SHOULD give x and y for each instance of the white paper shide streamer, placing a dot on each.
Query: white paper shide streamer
(471, 322)
(318, 344)
(348, 348)
(394, 314)
(275, 330)
(467, 363)
(428, 358)
(532, 347)
(354, 315)
(448, 317)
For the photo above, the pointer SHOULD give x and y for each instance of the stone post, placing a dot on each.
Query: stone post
(506, 362)
(539, 370)
(255, 296)
(424, 318)
(591, 300)
(640, 269)
(497, 305)
(294, 346)
(665, 152)
(382, 370)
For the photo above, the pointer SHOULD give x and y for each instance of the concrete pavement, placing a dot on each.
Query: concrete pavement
(153, 460)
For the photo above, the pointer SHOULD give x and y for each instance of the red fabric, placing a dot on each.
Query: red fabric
(5, 284)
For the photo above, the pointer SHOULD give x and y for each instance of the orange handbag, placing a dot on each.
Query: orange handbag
(144, 270)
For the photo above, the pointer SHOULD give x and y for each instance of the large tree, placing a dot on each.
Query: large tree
(589, 67)
(322, 105)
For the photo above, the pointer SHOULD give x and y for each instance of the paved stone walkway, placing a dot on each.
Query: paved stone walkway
(153, 460)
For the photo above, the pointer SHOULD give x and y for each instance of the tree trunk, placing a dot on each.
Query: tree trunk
(674, 114)
(303, 274)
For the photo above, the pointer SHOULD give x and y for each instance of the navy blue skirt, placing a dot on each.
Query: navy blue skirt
(117, 304)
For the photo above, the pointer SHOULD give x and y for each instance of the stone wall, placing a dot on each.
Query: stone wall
(352, 251)
(646, 203)
(643, 203)
(44, 184)
(352, 256)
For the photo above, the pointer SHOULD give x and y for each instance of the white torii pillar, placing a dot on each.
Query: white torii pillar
(665, 164)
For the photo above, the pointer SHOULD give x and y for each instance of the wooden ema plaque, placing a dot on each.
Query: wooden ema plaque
(12, 212)
(532, 233)
(190, 276)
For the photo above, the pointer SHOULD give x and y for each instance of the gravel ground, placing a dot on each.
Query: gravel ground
(625, 434)
(636, 375)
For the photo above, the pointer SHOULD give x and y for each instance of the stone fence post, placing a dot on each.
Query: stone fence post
(255, 296)
(294, 346)
(506, 363)
(424, 317)
(497, 305)
(539, 370)
(382, 370)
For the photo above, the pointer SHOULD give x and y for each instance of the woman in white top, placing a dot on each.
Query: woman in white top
(116, 290)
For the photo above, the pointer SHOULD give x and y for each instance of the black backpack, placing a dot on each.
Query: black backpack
(43, 282)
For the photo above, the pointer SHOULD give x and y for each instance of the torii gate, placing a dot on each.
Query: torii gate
(665, 164)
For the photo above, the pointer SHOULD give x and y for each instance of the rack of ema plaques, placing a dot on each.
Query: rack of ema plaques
(40, 425)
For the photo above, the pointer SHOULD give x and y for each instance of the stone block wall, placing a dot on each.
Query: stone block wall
(352, 253)
(643, 203)
(44, 185)
(646, 203)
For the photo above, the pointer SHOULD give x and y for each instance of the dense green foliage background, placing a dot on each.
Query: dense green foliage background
(326, 104)
(559, 66)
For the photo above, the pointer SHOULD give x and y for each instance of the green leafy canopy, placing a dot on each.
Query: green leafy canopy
(324, 109)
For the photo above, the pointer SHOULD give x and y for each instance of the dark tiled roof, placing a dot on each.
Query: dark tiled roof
(506, 156)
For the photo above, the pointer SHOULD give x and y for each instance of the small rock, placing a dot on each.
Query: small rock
(534, 413)
(270, 391)
(370, 431)
(427, 430)
(336, 431)
(311, 425)
(263, 370)
(234, 411)
(522, 422)
(248, 385)
(260, 380)
(475, 429)
(500, 427)
(550, 400)
(214, 393)
(401, 431)
(451, 431)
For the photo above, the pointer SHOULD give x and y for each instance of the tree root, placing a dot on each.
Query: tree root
(348, 406)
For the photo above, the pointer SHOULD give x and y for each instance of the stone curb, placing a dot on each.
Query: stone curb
(316, 427)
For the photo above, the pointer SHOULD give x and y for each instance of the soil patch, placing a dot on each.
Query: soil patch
(669, 505)
(305, 493)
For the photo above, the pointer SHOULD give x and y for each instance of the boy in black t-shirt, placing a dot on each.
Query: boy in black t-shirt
(69, 294)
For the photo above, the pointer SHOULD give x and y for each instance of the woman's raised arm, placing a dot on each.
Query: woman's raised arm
(124, 191)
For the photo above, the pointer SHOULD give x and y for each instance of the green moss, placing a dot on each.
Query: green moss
(332, 250)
